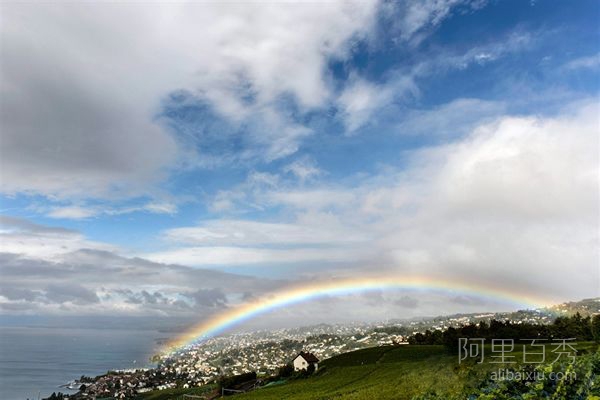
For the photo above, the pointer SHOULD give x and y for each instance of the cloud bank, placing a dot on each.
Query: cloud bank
(194, 155)
(82, 85)
(516, 200)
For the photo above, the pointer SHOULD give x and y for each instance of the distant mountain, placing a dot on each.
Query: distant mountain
(543, 315)
(585, 307)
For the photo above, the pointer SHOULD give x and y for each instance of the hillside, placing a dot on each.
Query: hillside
(392, 372)
(424, 365)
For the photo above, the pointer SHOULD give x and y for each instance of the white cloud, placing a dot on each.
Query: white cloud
(526, 167)
(311, 199)
(72, 212)
(515, 202)
(228, 256)
(513, 42)
(239, 198)
(510, 201)
(245, 233)
(452, 119)
(262, 190)
(304, 169)
(418, 17)
(360, 99)
(160, 208)
(43, 243)
(587, 62)
(82, 83)
(85, 212)
(512, 204)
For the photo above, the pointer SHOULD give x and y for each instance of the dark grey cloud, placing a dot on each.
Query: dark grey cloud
(152, 300)
(53, 270)
(407, 302)
(68, 129)
(374, 297)
(208, 297)
(16, 293)
(74, 293)
(102, 267)
(465, 300)
(55, 293)
(100, 280)
(14, 267)
(248, 296)
(19, 307)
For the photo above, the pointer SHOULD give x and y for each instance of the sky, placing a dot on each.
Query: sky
(173, 160)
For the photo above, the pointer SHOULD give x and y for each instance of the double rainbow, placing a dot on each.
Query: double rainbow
(225, 320)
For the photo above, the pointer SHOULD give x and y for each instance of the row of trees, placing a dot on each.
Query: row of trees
(576, 326)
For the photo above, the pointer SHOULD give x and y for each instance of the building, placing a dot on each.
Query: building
(304, 359)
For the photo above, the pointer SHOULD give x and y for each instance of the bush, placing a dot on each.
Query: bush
(286, 371)
(232, 381)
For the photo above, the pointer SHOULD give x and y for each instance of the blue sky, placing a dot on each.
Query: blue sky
(296, 142)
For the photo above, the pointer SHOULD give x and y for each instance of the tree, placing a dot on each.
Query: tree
(229, 382)
(286, 370)
(596, 327)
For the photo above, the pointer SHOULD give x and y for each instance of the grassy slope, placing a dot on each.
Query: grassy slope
(387, 373)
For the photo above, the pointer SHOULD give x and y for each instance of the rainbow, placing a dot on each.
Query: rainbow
(288, 296)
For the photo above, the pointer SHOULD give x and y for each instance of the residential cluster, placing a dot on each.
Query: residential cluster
(264, 352)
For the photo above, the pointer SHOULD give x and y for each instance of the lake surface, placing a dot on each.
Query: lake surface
(38, 360)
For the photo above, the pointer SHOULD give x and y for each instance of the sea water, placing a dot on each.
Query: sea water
(36, 361)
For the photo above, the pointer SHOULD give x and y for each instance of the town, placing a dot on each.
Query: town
(265, 352)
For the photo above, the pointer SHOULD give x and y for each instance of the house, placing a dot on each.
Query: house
(304, 359)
